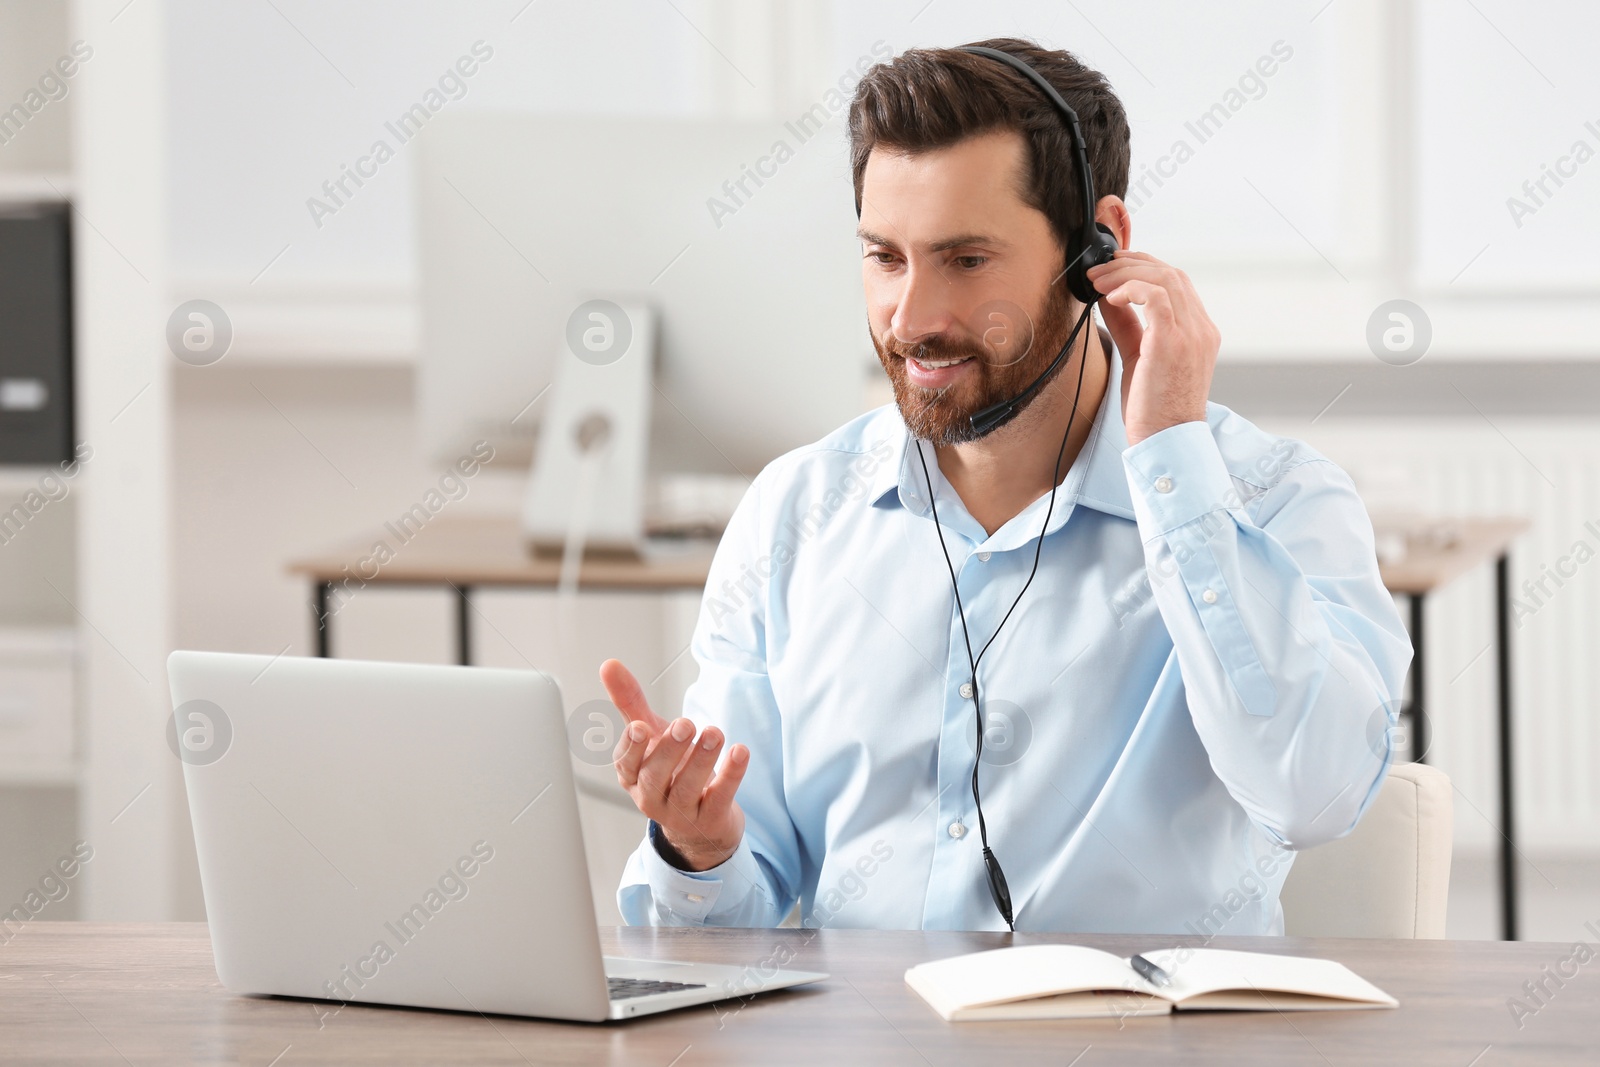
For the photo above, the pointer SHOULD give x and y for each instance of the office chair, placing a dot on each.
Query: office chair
(1390, 876)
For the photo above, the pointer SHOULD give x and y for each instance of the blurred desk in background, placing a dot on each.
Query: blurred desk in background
(468, 552)
(1417, 555)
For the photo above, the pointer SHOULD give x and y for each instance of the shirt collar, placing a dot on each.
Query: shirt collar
(1096, 479)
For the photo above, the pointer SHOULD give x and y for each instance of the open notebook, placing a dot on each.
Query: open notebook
(1071, 981)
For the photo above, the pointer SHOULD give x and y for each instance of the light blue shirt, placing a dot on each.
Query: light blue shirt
(1201, 679)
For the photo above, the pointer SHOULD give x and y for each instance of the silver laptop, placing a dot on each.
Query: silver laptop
(404, 834)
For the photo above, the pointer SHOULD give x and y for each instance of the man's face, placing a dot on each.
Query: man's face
(958, 274)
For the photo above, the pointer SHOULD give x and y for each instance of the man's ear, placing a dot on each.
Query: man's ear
(1112, 212)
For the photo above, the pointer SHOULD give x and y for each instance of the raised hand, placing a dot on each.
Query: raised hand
(1167, 363)
(668, 773)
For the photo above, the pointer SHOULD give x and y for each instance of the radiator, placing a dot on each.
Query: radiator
(1549, 472)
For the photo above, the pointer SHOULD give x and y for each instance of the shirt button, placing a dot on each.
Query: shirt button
(1209, 596)
(983, 557)
(966, 690)
(957, 831)
(1163, 484)
(693, 898)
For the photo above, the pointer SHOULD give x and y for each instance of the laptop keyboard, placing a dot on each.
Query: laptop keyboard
(627, 988)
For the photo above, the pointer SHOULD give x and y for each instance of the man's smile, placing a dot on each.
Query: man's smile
(935, 373)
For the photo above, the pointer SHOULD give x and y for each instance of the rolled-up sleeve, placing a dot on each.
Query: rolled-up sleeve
(1292, 652)
(757, 885)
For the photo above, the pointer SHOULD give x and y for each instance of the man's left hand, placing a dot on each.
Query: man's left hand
(1167, 362)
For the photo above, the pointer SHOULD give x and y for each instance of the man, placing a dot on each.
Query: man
(1200, 676)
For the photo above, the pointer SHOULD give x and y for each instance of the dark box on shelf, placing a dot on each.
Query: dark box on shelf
(35, 334)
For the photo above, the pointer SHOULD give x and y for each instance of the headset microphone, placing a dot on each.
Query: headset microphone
(1092, 245)
(996, 415)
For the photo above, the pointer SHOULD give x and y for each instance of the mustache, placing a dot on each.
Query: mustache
(935, 348)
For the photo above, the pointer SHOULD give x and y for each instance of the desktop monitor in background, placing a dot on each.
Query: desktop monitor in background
(740, 234)
(586, 491)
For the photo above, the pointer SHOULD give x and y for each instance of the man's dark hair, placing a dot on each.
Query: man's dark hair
(930, 98)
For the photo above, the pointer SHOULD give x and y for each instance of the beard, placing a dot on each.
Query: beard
(1009, 353)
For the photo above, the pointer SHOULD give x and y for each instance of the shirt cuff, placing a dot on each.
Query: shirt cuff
(1176, 476)
(692, 894)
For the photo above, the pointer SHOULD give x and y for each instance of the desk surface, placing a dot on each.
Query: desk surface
(147, 993)
(1436, 551)
(489, 550)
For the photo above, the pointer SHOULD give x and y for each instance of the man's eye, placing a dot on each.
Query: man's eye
(885, 258)
(971, 262)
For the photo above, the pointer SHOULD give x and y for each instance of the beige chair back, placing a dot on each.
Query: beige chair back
(1390, 876)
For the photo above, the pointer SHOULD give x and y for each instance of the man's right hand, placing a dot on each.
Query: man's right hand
(668, 773)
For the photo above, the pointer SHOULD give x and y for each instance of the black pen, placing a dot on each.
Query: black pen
(1150, 972)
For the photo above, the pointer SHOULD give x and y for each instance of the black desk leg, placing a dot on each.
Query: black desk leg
(1508, 823)
(1419, 708)
(463, 624)
(319, 615)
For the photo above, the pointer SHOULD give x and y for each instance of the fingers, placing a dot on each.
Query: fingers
(661, 762)
(1138, 265)
(1155, 300)
(718, 796)
(1126, 330)
(629, 754)
(1167, 279)
(697, 768)
(626, 693)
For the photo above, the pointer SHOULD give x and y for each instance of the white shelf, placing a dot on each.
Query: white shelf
(313, 324)
(24, 185)
(39, 774)
(17, 478)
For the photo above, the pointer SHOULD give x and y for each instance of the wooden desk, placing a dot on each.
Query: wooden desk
(130, 993)
(471, 551)
(1435, 552)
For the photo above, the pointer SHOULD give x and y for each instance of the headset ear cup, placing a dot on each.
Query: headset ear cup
(1100, 247)
(1110, 241)
(1085, 255)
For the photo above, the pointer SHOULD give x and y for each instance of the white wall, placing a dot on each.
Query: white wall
(1322, 185)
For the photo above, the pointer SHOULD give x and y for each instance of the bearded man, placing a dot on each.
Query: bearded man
(1114, 641)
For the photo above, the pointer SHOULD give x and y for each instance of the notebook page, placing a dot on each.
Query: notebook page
(1211, 970)
(1005, 974)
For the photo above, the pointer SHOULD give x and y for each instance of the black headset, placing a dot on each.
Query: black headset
(1091, 245)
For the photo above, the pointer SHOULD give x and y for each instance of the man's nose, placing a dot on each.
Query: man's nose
(924, 308)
